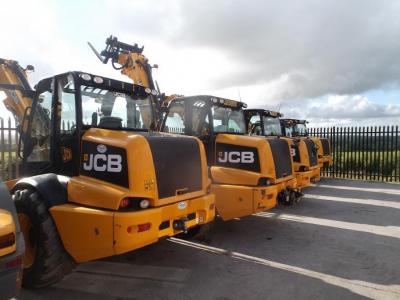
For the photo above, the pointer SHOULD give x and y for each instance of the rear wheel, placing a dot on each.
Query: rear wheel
(45, 260)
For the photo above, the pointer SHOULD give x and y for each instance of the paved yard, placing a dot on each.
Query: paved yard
(341, 242)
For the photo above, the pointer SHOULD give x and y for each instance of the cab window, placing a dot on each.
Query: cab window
(175, 122)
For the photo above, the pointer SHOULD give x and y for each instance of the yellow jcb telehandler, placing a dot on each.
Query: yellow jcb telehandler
(97, 181)
(298, 128)
(249, 174)
(304, 153)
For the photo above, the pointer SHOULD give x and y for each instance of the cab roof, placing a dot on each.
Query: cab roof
(264, 112)
(294, 121)
(104, 82)
(214, 100)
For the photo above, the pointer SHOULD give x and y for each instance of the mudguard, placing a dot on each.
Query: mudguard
(51, 187)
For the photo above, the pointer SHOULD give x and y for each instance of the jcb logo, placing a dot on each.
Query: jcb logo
(244, 157)
(102, 162)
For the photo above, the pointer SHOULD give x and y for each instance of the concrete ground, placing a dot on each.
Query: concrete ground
(341, 242)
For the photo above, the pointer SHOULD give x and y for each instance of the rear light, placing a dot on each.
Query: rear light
(138, 228)
(134, 203)
(144, 227)
(124, 203)
(7, 240)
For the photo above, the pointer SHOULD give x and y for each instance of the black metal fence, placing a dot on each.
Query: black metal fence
(9, 164)
(368, 153)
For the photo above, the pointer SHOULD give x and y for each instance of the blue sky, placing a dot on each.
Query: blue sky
(289, 55)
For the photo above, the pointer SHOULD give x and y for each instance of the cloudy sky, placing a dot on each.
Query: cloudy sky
(334, 62)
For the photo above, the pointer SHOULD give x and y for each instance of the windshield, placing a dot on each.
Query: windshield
(226, 119)
(272, 126)
(114, 110)
(299, 130)
(175, 122)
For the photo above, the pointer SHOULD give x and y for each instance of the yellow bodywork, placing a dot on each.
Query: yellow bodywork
(91, 226)
(89, 191)
(89, 233)
(134, 63)
(236, 191)
(16, 102)
(7, 232)
(323, 160)
(312, 173)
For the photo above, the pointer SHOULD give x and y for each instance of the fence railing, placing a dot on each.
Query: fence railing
(9, 164)
(368, 153)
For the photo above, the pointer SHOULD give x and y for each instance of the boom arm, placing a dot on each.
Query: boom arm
(131, 60)
(14, 82)
(132, 63)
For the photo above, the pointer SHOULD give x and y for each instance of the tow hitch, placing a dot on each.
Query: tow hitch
(180, 225)
(289, 196)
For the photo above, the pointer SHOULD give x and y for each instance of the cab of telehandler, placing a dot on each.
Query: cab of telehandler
(206, 117)
(249, 174)
(66, 106)
(304, 153)
(298, 129)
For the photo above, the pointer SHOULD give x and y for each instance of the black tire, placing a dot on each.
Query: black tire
(51, 262)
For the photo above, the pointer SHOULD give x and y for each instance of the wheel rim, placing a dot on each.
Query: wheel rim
(30, 245)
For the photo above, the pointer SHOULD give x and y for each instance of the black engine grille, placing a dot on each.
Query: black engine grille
(325, 146)
(312, 152)
(281, 155)
(177, 164)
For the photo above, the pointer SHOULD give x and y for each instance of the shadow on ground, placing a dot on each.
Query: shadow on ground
(287, 253)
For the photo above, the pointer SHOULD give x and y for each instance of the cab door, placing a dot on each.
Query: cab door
(66, 136)
(37, 141)
(198, 114)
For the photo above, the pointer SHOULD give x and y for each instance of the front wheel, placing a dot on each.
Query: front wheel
(45, 261)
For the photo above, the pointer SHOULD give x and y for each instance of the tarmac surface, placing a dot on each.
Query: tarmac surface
(342, 241)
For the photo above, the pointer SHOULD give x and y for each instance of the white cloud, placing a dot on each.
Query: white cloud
(272, 54)
(345, 110)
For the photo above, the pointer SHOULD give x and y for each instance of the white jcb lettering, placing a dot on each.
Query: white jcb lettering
(114, 163)
(247, 157)
(235, 157)
(223, 159)
(102, 162)
(88, 165)
(232, 155)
